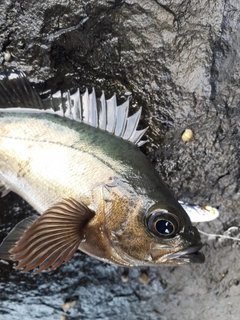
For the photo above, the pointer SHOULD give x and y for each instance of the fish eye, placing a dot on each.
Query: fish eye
(163, 224)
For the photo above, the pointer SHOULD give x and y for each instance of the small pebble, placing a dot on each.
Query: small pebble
(187, 135)
(144, 277)
(69, 305)
(236, 282)
(124, 277)
(63, 317)
(20, 44)
(7, 56)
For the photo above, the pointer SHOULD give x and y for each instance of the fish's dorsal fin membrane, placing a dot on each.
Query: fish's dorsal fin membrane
(17, 92)
(100, 113)
(111, 114)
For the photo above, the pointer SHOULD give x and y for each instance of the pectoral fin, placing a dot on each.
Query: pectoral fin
(12, 238)
(53, 238)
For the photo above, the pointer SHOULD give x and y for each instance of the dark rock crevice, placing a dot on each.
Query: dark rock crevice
(219, 50)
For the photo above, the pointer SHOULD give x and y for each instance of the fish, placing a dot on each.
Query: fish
(75, 159)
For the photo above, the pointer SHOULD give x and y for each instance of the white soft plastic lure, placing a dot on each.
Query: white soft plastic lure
(200, 214)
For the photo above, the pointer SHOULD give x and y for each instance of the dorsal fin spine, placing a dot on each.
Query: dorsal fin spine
(111, 114)
(77, 109)
(122, 113)
(93, 103)
(102, 114)
(84, 103)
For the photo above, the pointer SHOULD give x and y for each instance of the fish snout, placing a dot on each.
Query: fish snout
(192, 252)
(191, 235)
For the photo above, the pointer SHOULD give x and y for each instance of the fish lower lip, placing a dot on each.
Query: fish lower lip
(190, 254)
(196, 257)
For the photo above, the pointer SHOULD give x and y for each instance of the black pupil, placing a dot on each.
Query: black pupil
(164, 227)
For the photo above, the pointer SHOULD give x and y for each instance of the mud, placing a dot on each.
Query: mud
(179, 60)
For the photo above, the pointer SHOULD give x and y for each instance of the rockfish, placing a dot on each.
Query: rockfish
(75, 159)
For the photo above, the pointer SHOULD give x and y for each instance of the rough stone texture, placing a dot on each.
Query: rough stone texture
(180, 60)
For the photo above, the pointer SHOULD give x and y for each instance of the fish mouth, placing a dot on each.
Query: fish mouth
(189, 255)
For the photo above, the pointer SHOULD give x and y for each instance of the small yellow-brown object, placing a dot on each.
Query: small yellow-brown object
(63, 317)
(187, 135)
(144, 277)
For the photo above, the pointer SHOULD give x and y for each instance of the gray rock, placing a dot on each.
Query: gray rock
(180, 61)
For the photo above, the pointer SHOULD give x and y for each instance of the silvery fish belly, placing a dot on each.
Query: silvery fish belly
(75, 159)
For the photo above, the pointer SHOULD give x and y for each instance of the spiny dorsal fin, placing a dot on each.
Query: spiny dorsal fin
(53, 238)
(17, 92)
(99, 113)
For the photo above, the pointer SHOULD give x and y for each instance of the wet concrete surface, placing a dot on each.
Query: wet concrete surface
(180, 61)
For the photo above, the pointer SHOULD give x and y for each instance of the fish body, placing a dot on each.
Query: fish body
(92, 186)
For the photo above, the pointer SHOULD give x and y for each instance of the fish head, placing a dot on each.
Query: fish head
(178, 241)
(162, 234)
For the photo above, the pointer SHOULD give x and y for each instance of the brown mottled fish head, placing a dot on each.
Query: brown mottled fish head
(162, 234)
(178, 242)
